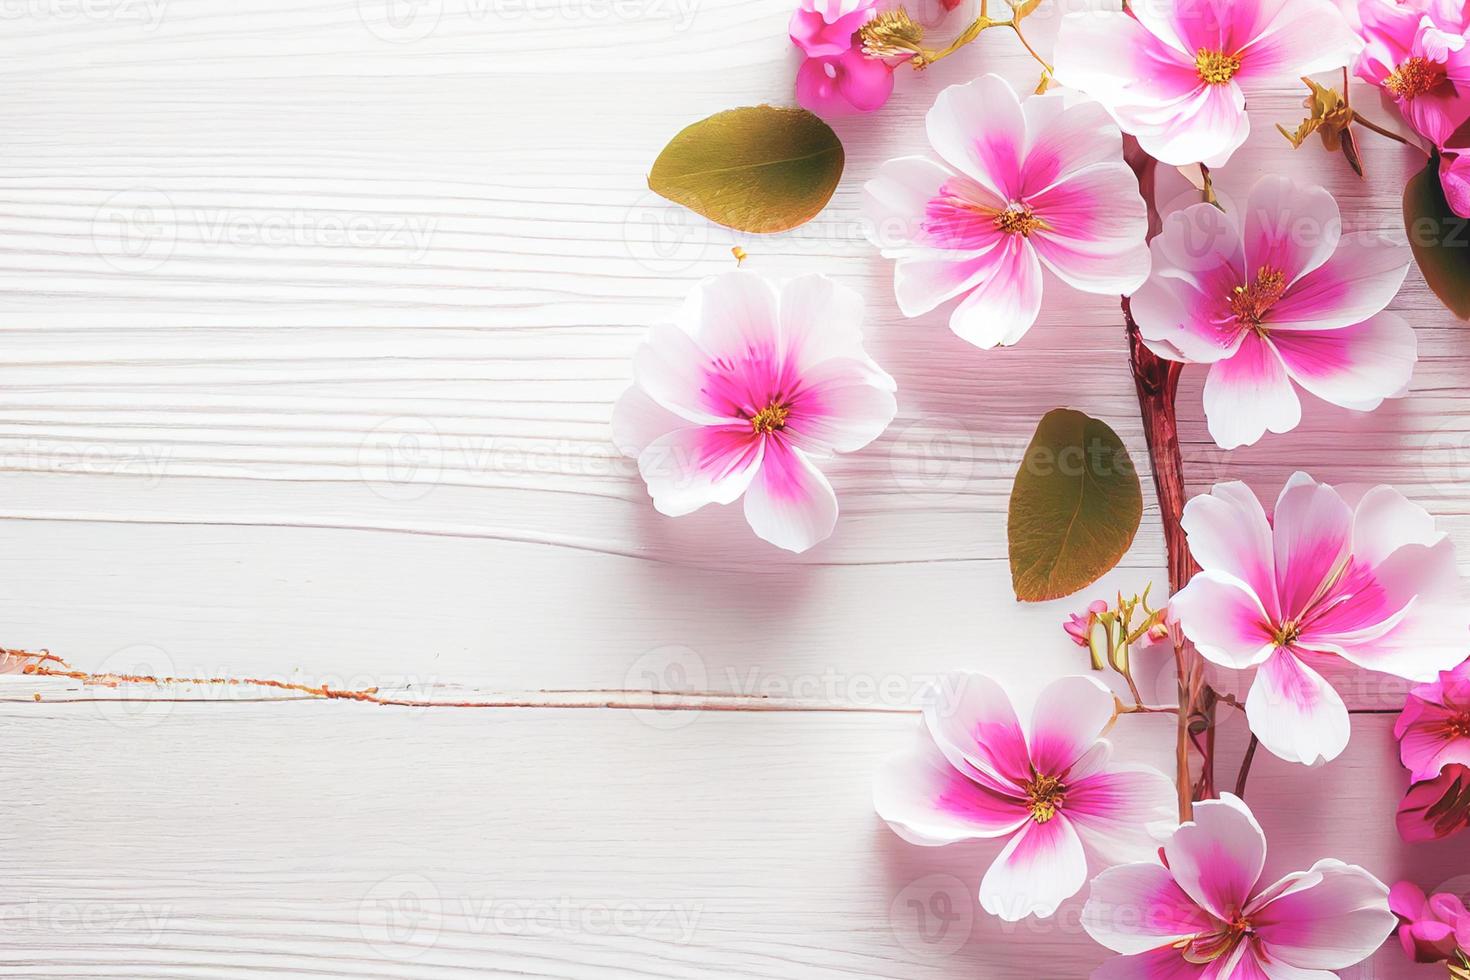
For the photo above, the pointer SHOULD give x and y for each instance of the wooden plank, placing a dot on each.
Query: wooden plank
(218, 841)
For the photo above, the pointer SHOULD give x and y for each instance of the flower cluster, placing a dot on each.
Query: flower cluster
(1432, 929)
(1417, 53)
(1434, 745)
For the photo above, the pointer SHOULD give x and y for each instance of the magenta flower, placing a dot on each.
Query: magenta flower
(1436, 808)
(745, 393)
(1200, 912)
(1428, 926)
(1454, 178)
(1434, 729)
(1374, 584)
(974, 772)
(1022, 185)
(1175, 74)
(1288, 300)
(1079, 625)
(836, 77)
(1419, 57)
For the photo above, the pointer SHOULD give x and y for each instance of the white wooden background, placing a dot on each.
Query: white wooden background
(313, 315)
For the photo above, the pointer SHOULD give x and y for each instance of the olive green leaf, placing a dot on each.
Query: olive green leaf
(1440, 239)
(1075, 507)
(758, 169)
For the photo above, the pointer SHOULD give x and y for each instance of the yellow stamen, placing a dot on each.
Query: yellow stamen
(1287, 633)
(1045, 795)
(1216, 67)
(892, 34)
(769, 419)
(1251, 302)
(1018, 219)
(1413, 78)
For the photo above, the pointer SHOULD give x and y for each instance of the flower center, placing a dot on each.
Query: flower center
(1045, 795)
(1459, 726)
(1287, 633)
(769, 419)
(1216, 67)
(1250, 302)
(1207, 947)
(1018, 219)
(1413, 78)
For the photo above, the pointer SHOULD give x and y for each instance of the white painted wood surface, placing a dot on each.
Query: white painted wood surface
(313, 315)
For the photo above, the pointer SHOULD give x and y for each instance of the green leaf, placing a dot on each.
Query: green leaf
(1440, 239)
(760, 169)
(1075, 507)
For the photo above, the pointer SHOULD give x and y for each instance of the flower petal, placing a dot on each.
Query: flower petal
(1384, 521)
(927, 801)
(1208, 128)
(688, 468)
(638, 420)
(1217, 857)
(839, 408)
(821, 322)
(1359, 279)
(1158, 964)
(975, 725)
(1225, 619)
(1313, 538)
(1289, 227)
(1096, 224)
(1066, 139)
(733, 316)
(1356, 367)
(1001, 308)
(1332, 925)
(895, 201)
(790, 503)
(1249, 394)
(1229, 532)
(672, 369)
(1041, 867)
(1304, 37)
(1067, 720)
(1117, 811)
(1295, 713)
(1134, 908)
(979, 129)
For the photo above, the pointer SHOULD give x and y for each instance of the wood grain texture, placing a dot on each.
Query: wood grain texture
(313, 317)
(330, 840)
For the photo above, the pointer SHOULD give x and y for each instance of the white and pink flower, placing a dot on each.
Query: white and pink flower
(1200, 912)
(1176, 74)
(1287, 299)
(744, 392)
(1018, 186)
(975, 772)
(1369, 581)
(1434, 728)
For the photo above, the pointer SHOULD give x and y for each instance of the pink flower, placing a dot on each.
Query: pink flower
(1419, 57)
(1289, 300)
(1434, 729)
(822, 28)
(1427, 926)
(1201, 912)
(1021, 186)
(1436, 808)
(1374, 584)
(1454, 177)
(745, 393)
(840, 84)
(974, 772)
(1079, 626)
(836, 77)
(1175, 74)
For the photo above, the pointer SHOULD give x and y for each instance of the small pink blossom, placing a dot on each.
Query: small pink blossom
(1434, 729)
(1418, 55)
(1287, 299)
(1370, 581)
(836, 77)
(1175, 73)
(1454, 177)
(1049, 788)
(745, 393)
(1079, 625)
(1436, 808)
(1021, 185)
(822, 28)
(1428, 926)
(1201, 913)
